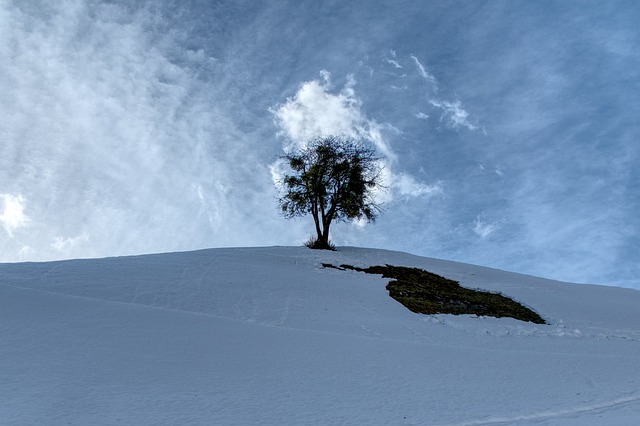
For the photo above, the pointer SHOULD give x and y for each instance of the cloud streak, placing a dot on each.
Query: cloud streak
(422, 70)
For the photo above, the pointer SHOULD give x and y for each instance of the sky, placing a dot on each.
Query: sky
(509, 130)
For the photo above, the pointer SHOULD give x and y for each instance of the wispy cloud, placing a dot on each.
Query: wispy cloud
(422, 70)
(63, 244)
(393, 62)
(407, 185)
(106, 127)
(484, 229)
(453, 115)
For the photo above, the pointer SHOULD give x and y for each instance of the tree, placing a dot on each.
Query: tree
(333, 179)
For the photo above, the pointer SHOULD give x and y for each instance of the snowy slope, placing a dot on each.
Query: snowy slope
(268, 336)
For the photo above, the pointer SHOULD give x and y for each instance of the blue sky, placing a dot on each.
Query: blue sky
(509, 129)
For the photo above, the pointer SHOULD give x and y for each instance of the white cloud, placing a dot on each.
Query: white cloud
(421, 116)
(315, 111)
(453, 115)
(13, 216)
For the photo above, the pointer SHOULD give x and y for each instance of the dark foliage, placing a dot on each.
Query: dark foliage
(333, 179)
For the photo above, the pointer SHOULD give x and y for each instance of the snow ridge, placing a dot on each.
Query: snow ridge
(267, 336)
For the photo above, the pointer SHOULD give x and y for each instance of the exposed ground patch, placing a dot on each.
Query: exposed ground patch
(427, 293)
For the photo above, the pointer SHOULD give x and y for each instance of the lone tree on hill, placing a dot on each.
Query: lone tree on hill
(333, 179)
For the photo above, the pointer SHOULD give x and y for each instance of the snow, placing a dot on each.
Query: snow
(267, 336)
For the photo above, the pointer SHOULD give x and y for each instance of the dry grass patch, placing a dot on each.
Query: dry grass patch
(427, 293)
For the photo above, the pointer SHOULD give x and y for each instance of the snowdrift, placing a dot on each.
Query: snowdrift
(268, 336)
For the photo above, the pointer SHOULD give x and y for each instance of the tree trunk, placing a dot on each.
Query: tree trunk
(324, 241)
(317, 222)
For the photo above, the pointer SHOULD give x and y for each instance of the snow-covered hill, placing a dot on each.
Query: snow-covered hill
(267, 336)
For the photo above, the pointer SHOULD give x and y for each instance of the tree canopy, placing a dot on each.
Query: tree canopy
(333, 179)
